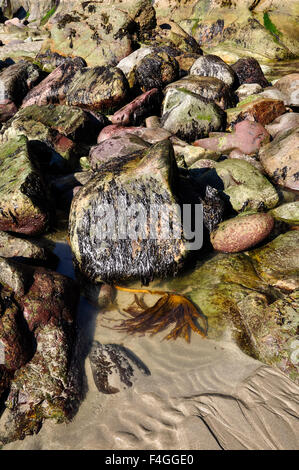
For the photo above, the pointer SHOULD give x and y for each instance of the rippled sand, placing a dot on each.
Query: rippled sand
(203, 395)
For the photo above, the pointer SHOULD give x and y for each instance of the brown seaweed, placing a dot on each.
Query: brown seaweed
(170, 308)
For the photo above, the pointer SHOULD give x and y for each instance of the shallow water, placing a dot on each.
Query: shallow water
(202, 395)
(279, 69)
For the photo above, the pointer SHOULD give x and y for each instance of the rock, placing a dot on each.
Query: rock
(283, 123)
(128, 64)
(288, 213)
(135, 112)
(53, 131)
(187, 155)
(23, 202)
(247, 137)
(152, 122)
(53, 89)
(255, 108)
(213, 66)
(39, 11)
(238, 29)
(21, 249)
(156, 70)
(114, 149)
(170, 34)
(14, 333)
(208, 87)
(213, 208)
(48, 61)
(280, 159)
(114, 367)
(102, 34)
(15, 82)
(149, 135)
(98, 89)
(102, 256)
(242, 232)
(274, 94)
(189, 116)
(248, 89)
(19, 51)
(252, 159)
(248, 70)
(289, 86)
(246, 187)
(277, 262)
(44, 387)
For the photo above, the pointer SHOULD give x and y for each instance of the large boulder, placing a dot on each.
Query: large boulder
(111, 241)
(156, 70)
(189, 115)
(101, 33)
(266, 30)
(23, 205)
(43, 385)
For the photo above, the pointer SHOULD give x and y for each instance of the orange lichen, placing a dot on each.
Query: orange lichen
(170, 308)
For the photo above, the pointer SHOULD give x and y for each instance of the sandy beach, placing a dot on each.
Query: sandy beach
(202, 395)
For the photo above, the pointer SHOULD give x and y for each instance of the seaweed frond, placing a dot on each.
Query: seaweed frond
(170, 308)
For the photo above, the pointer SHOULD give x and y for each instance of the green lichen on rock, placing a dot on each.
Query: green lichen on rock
(288, 213)
(22, 193)
(190, 116)
(246, 187)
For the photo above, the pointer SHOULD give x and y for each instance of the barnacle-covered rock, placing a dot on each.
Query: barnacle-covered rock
(106, 250)
(53, 89)
(23, 201)
(156, 70)
(102, 33)
(43, 387)
(246, 187)
(213, 66)
(98, 88)
(248, 70)
(190, 116)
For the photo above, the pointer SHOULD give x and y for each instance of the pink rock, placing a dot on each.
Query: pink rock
(242, 232)
(147, 134)
(135, 112)
(248, 137)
